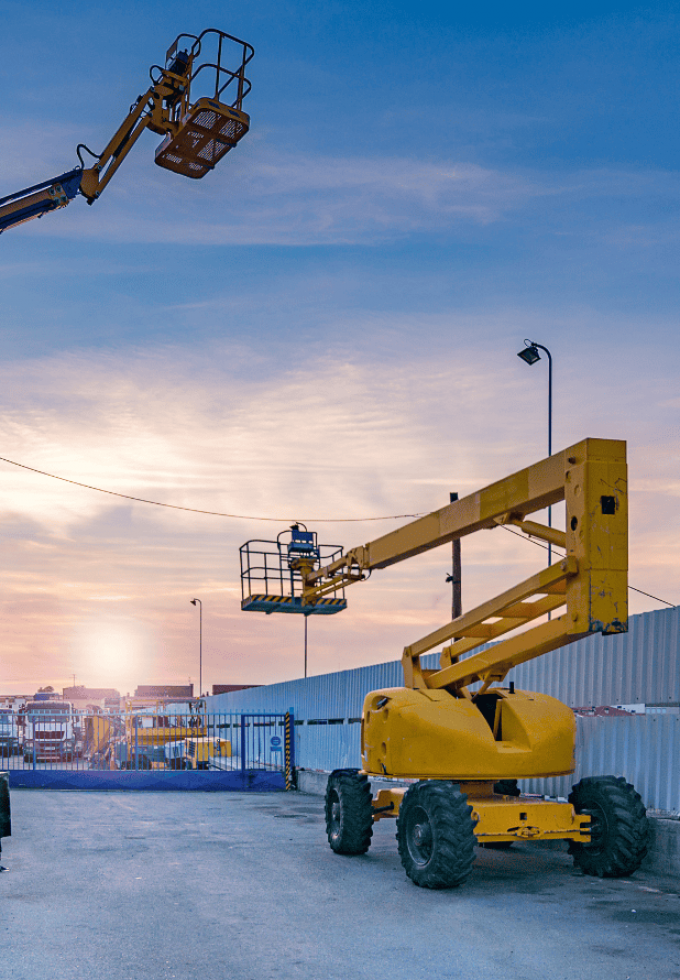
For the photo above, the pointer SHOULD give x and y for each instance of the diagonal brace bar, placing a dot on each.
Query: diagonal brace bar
(542, 581)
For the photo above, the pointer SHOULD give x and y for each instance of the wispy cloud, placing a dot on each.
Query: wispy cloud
(322, 439)
(264, 195)
(329, 438)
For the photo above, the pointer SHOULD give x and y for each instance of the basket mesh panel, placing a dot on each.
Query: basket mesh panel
(206, 119)
(202, 142)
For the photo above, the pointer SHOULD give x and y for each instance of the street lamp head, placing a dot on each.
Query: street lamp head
(193, 601)
(530, 353)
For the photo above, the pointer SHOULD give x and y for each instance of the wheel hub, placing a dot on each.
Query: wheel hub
(599, 826)
(419, 837)
(422, 835)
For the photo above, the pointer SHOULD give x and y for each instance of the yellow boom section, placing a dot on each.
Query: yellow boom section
(591, 582)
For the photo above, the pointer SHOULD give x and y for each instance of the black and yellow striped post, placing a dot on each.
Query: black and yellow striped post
(5, 817)
(289, 746)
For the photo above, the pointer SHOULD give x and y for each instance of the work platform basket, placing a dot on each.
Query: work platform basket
(205, 110)
(271, 580)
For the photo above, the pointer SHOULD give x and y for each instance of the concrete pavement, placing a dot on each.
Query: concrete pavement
(234, 886)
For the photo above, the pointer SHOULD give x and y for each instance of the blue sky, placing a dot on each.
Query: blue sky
(326, 326)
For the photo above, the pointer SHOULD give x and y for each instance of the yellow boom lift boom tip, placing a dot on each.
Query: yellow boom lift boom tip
(194, 102)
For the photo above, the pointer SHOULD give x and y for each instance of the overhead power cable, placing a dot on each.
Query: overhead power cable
(562, 555)
(212, 513)
(278, 520)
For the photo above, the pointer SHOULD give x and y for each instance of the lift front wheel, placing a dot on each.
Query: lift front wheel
(349, 812)
(435, 835)
(618, 827)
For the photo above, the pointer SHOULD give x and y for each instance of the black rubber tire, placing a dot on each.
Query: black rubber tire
(349, 812)
(435, 835)
(507, 787)
(619, 827)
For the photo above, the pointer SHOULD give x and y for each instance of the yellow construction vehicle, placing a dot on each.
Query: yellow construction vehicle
(155, 737)
(456, 731)
(195, 102)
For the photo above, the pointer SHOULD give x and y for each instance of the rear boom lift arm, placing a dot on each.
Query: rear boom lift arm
(197, 133)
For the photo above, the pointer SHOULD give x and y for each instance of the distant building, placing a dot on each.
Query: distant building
(603, 711)
(92, 697)
(165, 691)
(228, 688)
(671, 708)
(14, 701)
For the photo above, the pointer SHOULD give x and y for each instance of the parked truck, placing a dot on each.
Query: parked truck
(47, 731)
(9, 739)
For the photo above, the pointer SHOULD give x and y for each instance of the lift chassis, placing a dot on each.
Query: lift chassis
(459, 735)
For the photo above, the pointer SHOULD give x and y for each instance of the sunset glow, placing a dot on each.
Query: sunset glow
(325, 328)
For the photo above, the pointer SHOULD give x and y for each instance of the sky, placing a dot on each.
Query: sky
(325, 328)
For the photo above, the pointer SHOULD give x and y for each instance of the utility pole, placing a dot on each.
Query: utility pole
(455, 577)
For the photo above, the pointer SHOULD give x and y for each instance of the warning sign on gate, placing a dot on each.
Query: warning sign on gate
(275, 743)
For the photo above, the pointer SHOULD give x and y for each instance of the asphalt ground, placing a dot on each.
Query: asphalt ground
(236, 886)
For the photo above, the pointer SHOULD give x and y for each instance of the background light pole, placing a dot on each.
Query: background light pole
(305, 645)
(530, 355)
(198, 602)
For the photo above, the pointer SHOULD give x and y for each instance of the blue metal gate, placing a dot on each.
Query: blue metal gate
(56, 746)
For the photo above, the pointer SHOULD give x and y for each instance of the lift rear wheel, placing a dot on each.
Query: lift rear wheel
(618, 827)
(435, 835)
(349, 812)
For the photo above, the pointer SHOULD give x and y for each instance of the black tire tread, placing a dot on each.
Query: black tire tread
(353, 792)
(450, 815)
(625, 846)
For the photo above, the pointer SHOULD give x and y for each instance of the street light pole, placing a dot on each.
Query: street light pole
(530, 355)
(200, 644)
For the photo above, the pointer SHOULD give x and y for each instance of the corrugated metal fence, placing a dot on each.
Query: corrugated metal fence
(643, 748)
(641, 666)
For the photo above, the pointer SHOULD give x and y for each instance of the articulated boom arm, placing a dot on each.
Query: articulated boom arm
(197, 133)
(591, 581)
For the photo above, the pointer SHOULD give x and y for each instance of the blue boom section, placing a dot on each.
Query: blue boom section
(35, 201)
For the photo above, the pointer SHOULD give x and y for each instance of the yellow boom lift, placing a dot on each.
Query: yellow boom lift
(195, 102)
(461, 735)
